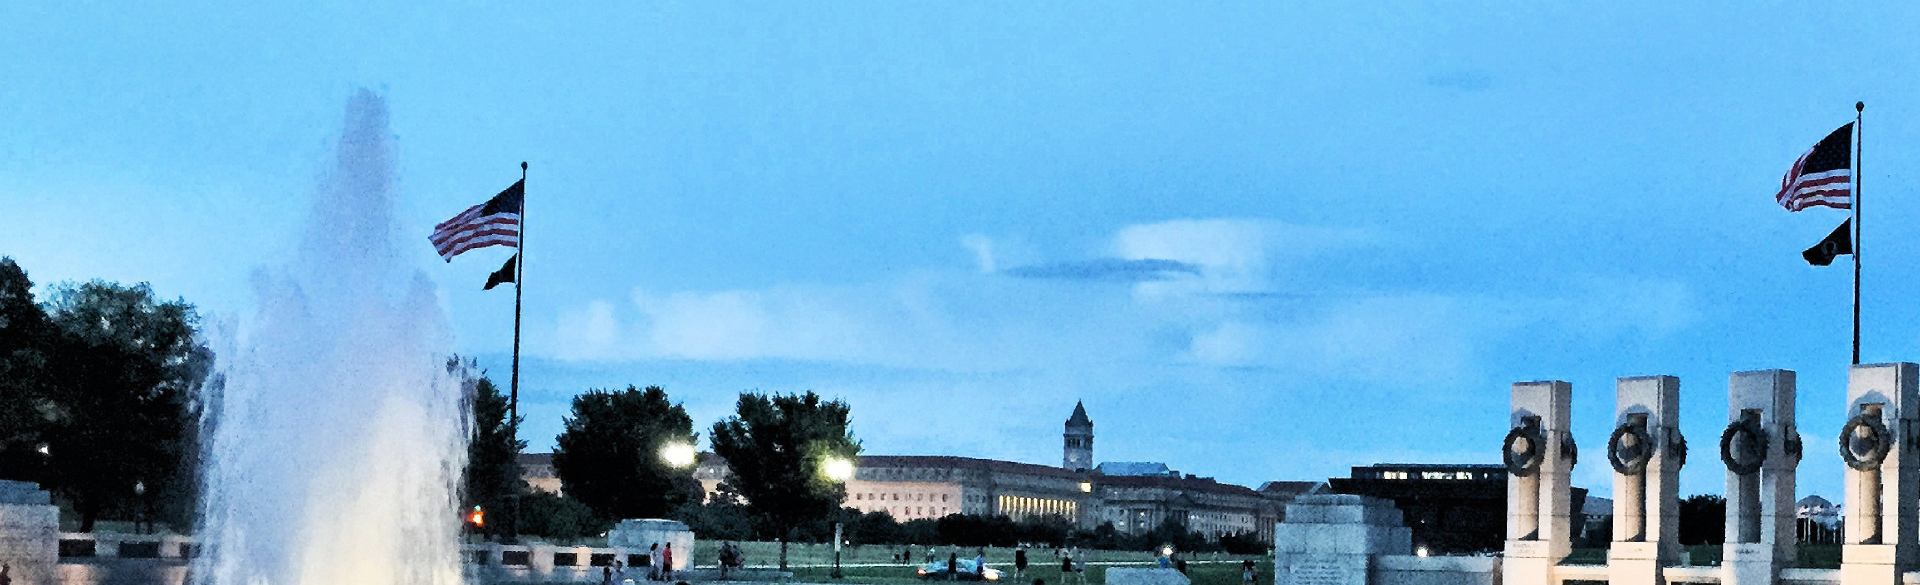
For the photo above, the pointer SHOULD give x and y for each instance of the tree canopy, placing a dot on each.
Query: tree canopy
(609, 455)
(776, 448)
(100, 393)
(26, 338)
(493, 473)
(1703, 519)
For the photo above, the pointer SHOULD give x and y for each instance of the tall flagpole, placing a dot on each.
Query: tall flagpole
(1859, 108)
(520, 284)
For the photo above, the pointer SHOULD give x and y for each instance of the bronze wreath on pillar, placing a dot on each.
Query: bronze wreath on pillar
(1522, 451)
(1676, 447)
(1864, 442)
(1629, 449)
(1749, 458)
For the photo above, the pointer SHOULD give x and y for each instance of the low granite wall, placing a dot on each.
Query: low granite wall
(37, 553)
(1418, 570)
(29, 533)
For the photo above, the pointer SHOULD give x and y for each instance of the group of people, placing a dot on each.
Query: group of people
(659, 564)
(953, 564)
(1072, 571)
(732, 558)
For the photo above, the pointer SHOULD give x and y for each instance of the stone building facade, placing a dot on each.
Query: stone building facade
(1136, 504)
(537, 470)
(1135, 497)
(913, 486)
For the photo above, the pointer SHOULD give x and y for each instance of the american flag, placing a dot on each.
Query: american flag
(494, 223)
(1822, 176)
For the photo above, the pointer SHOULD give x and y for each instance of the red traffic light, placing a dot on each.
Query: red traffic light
(477, 517)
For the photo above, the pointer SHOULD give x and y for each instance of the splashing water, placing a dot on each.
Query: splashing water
(337, 438)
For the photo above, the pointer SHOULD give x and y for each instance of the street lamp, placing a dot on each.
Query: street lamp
(837, 469)
(140, 496)
(679, 455)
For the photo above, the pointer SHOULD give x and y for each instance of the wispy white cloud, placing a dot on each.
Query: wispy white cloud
(1233, 256)
(982, 247)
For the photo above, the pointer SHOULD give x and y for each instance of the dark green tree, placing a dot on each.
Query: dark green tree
(559, 518)
(493, 476)
(876, 528)
(1703, 520)
(776, 448)
(719, 519)
(26, 408)
(609, 456)
(126, 369)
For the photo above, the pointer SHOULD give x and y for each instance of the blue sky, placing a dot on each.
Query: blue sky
(1261, 240)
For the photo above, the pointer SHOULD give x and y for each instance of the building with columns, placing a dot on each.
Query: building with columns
(1135, 497)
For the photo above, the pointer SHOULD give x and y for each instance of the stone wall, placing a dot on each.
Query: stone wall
(29, 533)
(1340, 539)
(37, 553)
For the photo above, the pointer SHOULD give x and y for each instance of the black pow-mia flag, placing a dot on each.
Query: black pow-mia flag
(1838, 243)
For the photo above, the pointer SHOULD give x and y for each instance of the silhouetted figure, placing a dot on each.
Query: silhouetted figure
(653, 562)
(666, 563)
(953, 566)
(1020, 562)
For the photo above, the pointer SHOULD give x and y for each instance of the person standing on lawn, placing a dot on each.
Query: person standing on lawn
(666, 563)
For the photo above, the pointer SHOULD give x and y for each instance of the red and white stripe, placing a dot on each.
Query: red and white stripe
(470, 230)
(1829, 189)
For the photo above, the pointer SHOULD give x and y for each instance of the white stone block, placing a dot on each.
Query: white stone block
(640, 535)
(1320, 569)
(1343, 539)
(1379, 515)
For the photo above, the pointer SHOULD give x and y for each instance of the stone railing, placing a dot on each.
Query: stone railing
(75, 546)
(39, 554)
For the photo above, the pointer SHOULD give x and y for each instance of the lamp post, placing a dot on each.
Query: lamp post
(836, 552)
(140, 497)
(839, 470)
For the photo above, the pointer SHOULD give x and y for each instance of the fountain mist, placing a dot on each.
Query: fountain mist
(337, 438)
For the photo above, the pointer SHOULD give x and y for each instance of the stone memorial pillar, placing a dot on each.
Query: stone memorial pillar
(29, 533)
(1539, 454)
(1760, 448)
(1332, 539)
(1646, 452)
(1883, 466)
